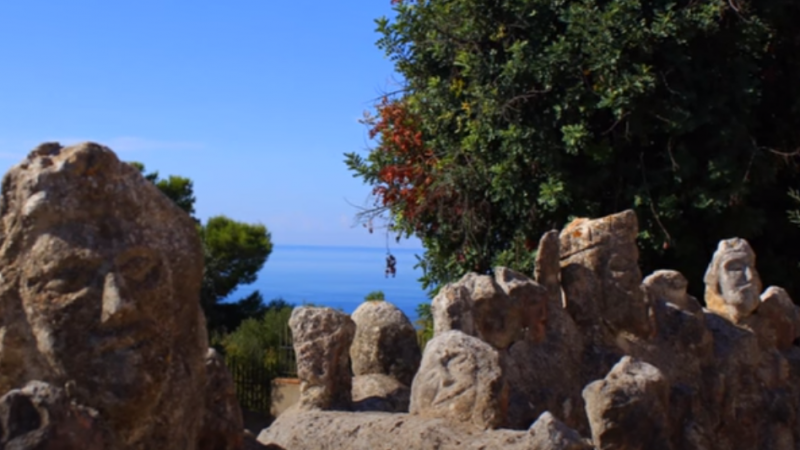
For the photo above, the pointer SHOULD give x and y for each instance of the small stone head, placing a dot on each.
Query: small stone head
(733, 286)
(106, 272)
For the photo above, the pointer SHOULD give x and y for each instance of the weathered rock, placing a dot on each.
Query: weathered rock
(223, 424)
(775, 320)
(452, 309)
(530, 298)
(41, 417)
(322, 339)
(379, 392)
(683, 340)
(99, 279)
(547, 269)
(385, 342)
(627, 410)
(550, 433)
(460, 379)
(498, 317)
(733, 286)
(329, 430)
(601, 277)
(670, 286)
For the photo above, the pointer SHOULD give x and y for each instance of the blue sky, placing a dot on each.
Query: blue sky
(256, 101)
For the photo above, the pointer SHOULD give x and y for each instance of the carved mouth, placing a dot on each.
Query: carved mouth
(133, 337)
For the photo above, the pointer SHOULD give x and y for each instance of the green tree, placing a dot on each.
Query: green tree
(234, 254)
(517, 116)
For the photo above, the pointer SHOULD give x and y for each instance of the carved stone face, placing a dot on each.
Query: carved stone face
(733, 286)
(106, 272)
(737, 283)
(96, 304)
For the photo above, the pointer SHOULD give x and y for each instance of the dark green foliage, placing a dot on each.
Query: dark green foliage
(179, 189)
(234, 253)
(265, 342)
(424, 324)
(375, 296)
(539, 111)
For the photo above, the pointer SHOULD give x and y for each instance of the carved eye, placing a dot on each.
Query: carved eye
(71, 275)
(141, 270)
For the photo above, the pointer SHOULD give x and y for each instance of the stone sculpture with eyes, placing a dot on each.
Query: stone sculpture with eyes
(99, 293)
(733, 286)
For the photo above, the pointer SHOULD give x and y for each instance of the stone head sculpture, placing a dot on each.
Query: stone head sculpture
(100, 279)
(733, 286)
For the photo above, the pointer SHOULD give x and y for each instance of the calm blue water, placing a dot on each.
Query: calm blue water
(339, 277)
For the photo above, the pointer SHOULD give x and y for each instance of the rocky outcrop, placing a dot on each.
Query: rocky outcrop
(385, 342)
(460, 379)
(589, 348)
(99, 279)
(322, 339)
(327, 430)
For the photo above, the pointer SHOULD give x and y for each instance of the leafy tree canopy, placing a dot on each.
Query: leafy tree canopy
(516, 116)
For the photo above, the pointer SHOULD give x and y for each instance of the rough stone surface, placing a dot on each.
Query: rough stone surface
(600, 275)
(223, 425)
(625, 363)
(99, 279)
(385, 342)
(549, 433)
(326, 430)
(322, 339)
(498, 317)
(40, 416)
(733, 285)
(452, 309)
(776, 319)
(499, 309)
(531, 300)
(379, 392)
(460, 379)
(628, 408)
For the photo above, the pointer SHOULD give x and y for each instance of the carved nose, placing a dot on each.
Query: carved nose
(115, 301)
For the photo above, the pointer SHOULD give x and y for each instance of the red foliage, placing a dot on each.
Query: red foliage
(406, 180)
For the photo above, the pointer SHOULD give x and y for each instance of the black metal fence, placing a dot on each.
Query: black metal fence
(253, 378)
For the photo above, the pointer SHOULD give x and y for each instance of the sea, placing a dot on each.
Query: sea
(339, 277)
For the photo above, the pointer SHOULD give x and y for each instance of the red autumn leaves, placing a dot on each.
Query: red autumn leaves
(405, 179)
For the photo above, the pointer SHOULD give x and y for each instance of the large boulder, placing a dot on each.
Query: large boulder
(99, 279)
(627, 410)
(385, 342)
(333, 430)
(460, 379)
(223, 424)
(322, 339)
